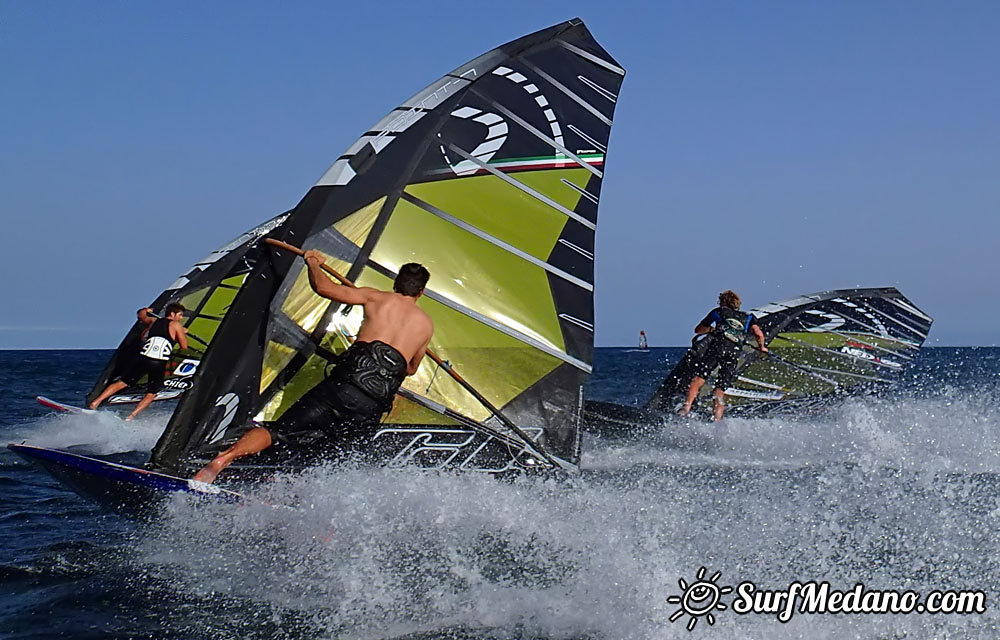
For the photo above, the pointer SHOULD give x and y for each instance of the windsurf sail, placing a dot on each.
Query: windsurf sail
(206, 290)
(490, 177)
(833, 342)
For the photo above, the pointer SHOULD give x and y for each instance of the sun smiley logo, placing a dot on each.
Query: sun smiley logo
(699, 599)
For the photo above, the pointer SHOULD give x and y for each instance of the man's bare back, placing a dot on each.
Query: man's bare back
(390, 317)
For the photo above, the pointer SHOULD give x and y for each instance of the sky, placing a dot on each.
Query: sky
(774, 148)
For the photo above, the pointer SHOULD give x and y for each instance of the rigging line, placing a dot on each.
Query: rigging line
(429, 208)
(493, 324)
(538, 133)
(536, 451)
(523, 187)
(922, 334)
(568, 92)
(837, 353)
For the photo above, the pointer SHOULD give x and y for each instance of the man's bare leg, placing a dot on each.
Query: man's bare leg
(109, 391)
(720, 404)
(253, 441)
(139, 408)
(693, 390)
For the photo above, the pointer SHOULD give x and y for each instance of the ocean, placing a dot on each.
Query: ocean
(895, 493)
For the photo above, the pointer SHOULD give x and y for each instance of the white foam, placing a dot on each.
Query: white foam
(103, 432)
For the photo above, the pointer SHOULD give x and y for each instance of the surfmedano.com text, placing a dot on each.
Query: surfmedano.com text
(818, 597)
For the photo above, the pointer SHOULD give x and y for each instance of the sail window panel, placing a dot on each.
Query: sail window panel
(193, 299)
(235, 281)
(502, 210)
(200, 333)
(356, 226)
(276, 357)
(218, 303)
(499, 366)
(407, 412)
(311, 374)
(472, 272)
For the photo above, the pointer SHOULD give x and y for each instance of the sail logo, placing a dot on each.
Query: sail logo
(496, 135)
(186, 368)
(229, 403)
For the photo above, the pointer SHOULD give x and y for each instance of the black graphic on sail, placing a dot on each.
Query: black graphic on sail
(491, 178)
(206, 290)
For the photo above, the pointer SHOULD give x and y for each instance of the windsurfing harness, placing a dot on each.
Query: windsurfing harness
(731, 327)
(375, 368)
(158, 344)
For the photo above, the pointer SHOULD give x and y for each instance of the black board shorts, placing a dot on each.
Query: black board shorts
(154, 370)
(333, 415)
(726, 362)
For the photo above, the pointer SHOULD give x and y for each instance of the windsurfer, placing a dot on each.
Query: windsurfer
(731, 327)
(161, 336)
(349, 403)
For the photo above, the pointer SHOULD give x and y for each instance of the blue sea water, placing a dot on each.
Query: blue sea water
(896, 492)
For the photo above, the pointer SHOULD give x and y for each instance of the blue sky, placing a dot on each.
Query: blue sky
(774, 148)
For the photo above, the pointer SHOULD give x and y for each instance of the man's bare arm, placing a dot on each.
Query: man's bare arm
(414, 363)
(324, 286)
(145, 316)
(701, 328)
(179, 334)
(755, 330)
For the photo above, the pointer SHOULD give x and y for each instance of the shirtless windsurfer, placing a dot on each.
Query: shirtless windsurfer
(349, 403)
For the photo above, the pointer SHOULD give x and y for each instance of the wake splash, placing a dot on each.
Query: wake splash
(388, 553)
(100, 433)
(953, 431)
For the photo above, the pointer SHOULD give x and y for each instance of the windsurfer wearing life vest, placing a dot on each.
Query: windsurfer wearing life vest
(731, 327)
(345, 409)
(161, 336)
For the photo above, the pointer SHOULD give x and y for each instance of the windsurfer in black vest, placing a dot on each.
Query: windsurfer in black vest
(345, 409)
(731, 327)
(161, 336)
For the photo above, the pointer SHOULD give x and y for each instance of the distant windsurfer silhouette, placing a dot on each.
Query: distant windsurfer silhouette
(731, 327)
(348, 405)
(642, 341)
(161, 334)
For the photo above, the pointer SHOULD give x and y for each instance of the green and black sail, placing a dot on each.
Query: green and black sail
(490, 177)
(206, 290)
(820, 344)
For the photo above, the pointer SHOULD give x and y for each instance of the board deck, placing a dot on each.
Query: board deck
(115, 485)
(61, 406)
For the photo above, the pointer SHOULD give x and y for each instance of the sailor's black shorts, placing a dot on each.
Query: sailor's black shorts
(333, 414)
(726, 363)
(154, 370)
